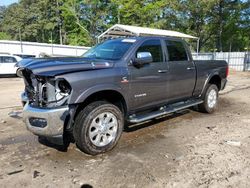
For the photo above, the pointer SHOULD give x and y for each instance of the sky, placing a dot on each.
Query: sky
(7, 2)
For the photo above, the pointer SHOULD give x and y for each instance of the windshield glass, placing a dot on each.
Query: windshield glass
(111, 50)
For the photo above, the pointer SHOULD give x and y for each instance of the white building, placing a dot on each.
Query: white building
(35, 48)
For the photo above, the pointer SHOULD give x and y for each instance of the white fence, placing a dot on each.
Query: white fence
(239, 61)
(34, 48)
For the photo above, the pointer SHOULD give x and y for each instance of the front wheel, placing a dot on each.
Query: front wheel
(210, 98)
(98, 127)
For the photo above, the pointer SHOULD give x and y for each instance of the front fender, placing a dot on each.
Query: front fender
(97, 88)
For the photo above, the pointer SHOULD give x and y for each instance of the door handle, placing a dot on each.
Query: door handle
(190, 68)
(162, 71)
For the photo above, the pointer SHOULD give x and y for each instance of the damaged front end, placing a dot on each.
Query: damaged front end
(45, 104)
(45, 92)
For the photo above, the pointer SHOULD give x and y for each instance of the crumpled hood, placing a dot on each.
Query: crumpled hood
(58, 66)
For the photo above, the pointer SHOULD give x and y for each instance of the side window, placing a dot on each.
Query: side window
(9, 60)
(176, 51)
(154, 47)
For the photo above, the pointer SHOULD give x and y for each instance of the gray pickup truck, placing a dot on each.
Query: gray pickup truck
(117, 82)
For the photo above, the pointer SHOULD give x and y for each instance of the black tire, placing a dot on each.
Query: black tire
(83, 123)
(204, 107)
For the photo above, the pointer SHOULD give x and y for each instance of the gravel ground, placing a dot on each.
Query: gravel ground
(187, 149)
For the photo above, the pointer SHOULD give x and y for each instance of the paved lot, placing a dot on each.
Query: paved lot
(187, 149)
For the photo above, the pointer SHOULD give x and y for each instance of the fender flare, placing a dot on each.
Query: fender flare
(209, 77)
(98, 88)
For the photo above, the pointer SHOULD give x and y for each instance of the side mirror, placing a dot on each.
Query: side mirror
(142, 58)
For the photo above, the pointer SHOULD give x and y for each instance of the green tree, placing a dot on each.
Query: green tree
(85, 20)
(4, 36)
(34, 19)
(220, 24)
(146, 13)
(2, 10)
(216, 22)
(75, 33)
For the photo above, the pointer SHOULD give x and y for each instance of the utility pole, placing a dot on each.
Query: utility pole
(119, 19)
(52, 50)
(119, 14)
(20, 38)
(59, 22)
(60, 33)
(198, 46)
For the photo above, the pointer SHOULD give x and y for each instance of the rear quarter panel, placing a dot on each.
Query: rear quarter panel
(206, 70)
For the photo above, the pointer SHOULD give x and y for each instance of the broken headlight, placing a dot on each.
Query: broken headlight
(63, 89)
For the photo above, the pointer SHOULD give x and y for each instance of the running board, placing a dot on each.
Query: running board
(164, 111)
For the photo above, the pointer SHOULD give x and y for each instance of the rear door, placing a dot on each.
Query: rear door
(182, 71)
(148, 83)
(8, 65)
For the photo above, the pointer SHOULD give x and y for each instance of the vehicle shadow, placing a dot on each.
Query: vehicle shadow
(63, 147)
(86, 186)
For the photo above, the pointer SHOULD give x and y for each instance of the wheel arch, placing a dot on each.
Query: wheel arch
(216, 80)
(110, 95)
(212, 79)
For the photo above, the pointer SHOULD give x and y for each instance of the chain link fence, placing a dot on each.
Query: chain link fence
(239, 61)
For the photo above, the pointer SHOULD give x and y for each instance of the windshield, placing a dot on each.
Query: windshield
(111, 50)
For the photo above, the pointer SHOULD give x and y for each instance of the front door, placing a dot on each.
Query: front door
(148, 83)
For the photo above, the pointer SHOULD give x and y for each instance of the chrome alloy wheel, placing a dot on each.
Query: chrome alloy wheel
(212, 99)
(103, 129)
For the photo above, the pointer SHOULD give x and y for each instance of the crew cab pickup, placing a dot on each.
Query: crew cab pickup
(117, 82)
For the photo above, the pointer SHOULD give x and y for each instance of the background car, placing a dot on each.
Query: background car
(25, 56)
(8, 64)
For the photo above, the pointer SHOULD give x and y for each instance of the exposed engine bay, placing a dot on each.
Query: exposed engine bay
(46, 92)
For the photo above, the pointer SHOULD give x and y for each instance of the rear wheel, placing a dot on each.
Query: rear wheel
(210, 98)
(98, 127)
